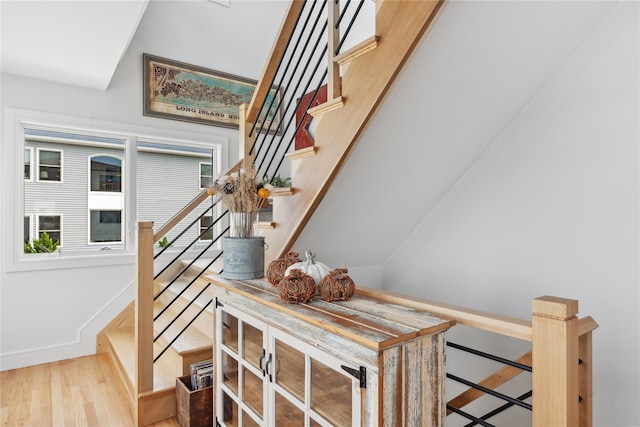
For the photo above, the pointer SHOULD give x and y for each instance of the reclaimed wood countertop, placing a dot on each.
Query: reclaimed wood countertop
(363, 319)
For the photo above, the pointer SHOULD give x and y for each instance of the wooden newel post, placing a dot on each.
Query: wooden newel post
(246, 141)
(144, 312)
(555, 362)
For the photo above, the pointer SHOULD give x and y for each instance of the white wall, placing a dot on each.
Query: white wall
(551, 208)
(503, 165)
(54, 314)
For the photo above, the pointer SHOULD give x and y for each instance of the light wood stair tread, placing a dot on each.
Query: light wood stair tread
(201, 264)
(192, 339)
(123, 344)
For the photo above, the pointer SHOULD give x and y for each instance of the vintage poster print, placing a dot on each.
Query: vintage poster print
(186, 92)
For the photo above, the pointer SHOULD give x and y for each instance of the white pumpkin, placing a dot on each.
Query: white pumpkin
(316, 270)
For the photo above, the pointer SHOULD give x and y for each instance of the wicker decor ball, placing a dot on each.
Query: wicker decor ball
(337, 286)
(297, 287)
(277, 267)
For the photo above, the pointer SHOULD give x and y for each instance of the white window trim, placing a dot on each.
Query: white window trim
(12, 184)
(37, 231)
(39, 149)
(31, 163)
(107, 244)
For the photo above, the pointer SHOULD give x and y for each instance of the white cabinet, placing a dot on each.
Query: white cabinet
(270, 378)
(356, 363)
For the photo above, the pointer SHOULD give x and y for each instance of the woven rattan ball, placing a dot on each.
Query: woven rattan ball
(277, 267)
(297, 287)
(337, 286)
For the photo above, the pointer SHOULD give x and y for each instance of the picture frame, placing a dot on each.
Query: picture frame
(179, 91)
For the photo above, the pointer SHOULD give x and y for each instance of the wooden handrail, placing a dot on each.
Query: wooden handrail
(586, 325)
(175, 220)
(503, 325)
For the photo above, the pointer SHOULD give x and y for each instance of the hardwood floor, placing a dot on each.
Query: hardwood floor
(78, 392)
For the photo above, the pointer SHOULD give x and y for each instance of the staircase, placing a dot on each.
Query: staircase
(194, 345)
(357, 81)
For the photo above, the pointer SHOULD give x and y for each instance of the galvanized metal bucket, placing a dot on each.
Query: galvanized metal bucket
(243, 257)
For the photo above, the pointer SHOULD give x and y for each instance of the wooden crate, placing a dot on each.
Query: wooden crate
(194, 408)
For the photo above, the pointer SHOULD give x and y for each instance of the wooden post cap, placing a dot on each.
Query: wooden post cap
(555, 307)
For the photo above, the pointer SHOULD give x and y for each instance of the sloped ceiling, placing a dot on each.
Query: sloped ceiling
(475, 70)
(71, 42)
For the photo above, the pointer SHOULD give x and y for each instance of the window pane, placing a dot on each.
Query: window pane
(27, 164)
(105, 226)
(166, 182)
(50, 224)
(106, 173)
(205, 222)
(49, 168)
(206, 175)
(50, 158)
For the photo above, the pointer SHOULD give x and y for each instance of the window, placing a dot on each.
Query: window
(49, 165)
(205, 222)
(206, 175)
(52, 224)
(105, 226)
(27, 164)
(106, 173)
(88, 183)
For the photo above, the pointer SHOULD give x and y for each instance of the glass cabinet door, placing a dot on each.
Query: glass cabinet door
(310, 387)
(240, 393)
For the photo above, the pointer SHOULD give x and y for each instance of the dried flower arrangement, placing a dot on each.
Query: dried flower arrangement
(243, 194)
(241, 191)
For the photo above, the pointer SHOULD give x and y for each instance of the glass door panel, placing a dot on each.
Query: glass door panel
(230, 331)
(290, 369)
(230, 410)
(252, 391)
(230, 372)
(287, 414)
(247, 421)
(252, 344)
(331, 394)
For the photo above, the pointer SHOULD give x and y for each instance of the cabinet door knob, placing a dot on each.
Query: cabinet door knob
(262, 360)
(267, 367)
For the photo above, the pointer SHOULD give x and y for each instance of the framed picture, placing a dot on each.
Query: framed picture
(179, 91)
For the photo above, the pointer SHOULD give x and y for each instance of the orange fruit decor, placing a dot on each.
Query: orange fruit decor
(263, 193)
